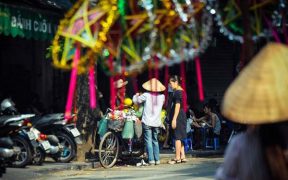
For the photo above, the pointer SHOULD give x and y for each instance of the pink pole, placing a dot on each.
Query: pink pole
(199, 79)
(166, 79)
(135, 84)
(112, 89)
(124, 79)
(72, 85)
(92, 87)
(183, 75)
(156, 73)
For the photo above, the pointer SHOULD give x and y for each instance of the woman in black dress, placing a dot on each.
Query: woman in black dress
(178, 117)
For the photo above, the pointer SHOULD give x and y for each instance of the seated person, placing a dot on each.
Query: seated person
(192, 120)
(193, 129)
(211, 120)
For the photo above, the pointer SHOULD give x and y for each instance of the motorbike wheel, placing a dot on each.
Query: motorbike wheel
(109, 150)
(2, 171)
(25, 155)
(39, 156)
(69, 148)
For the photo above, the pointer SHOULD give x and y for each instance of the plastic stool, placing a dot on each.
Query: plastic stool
(216, 144)
(188, 144)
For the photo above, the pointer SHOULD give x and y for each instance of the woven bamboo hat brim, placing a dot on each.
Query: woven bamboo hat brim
(259, 95)
(153, 85)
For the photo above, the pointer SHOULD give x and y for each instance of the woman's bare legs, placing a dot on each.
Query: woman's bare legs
(178, 147)
(182, 155)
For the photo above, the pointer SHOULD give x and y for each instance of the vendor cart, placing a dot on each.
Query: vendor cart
(120, 140)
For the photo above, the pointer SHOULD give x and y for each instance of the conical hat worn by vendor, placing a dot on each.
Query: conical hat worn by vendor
(153, 85)
(260, 92)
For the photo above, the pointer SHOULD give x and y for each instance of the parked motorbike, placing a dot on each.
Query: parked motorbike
(12, 126)
(40, 144)
(6, 152)
(64, 129)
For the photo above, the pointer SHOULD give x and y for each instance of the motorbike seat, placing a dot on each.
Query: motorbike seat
(6, 142)
(49, 118)
(5, 119)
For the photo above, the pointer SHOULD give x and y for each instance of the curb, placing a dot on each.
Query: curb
(164, 157)
(63, 167)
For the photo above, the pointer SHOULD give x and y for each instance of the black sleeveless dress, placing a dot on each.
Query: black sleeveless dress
(181, 123)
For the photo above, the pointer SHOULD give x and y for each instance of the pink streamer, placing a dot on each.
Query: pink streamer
(199, 79)
(183, 76)
(72, 85)
(92, 87)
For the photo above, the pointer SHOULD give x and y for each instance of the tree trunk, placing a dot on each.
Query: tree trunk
(86, 117)
(247, 46)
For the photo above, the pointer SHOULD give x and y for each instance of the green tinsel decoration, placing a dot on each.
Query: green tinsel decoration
(121, 8)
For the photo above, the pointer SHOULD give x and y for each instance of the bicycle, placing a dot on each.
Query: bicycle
(112, 145)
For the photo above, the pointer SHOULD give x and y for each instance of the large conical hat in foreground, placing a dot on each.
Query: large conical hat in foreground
(154, 85)
(260, 93)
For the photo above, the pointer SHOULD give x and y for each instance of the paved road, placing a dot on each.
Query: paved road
(196, 168)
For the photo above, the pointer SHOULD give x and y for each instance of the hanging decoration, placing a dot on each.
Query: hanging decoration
(194, 34)
(228, 17)
(87, 25)
(156, 29)
(82, 34)
(152, 35)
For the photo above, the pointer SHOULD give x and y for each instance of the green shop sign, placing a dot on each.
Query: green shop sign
(27, 22)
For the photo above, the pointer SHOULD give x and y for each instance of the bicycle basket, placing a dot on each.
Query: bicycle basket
(116, 125)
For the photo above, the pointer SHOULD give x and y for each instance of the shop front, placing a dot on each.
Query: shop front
(25, 74)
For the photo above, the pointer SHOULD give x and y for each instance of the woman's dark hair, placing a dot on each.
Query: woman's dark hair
(274, 141)
(209, 106)
(175, 78)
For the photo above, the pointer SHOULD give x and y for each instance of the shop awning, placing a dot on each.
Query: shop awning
(27, 22)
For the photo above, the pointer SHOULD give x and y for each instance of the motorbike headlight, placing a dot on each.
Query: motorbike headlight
(62, 122)
(17, 123)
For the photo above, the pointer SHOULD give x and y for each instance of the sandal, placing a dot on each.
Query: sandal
(174, 161)
(184, 160)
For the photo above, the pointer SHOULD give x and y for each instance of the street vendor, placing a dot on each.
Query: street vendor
(120, 86)
(153, 101)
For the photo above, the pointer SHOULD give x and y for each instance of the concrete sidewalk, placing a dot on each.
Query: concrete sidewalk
(193, 153)
(165, 155)
(34, 172)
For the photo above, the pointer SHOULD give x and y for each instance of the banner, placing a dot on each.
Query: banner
(27, 22)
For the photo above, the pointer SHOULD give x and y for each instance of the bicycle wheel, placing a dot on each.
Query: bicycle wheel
(109, 150)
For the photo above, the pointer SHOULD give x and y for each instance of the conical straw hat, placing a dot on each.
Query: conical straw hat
(260, 92)
(153, 85)
(120, 83)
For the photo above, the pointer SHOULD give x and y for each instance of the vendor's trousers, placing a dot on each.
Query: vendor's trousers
(151, 143)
